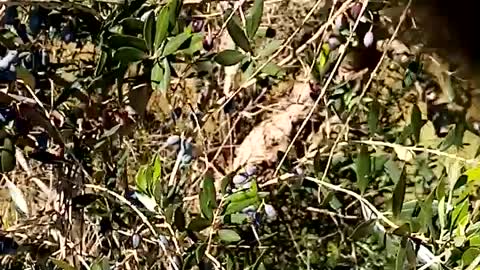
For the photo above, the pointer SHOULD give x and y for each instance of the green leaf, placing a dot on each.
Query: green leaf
(273, 70)
(209, 187)
(416, 122)
(229, 57)
(174, 10)
(373, 117)
(161, 30)
(25, 75)
(101, 63)
(165, 82)
(400, 259)
(403, 230)
(62, 264)
(362, 230)
(196, 44)
(149, 31)
(156, 76)
(253, 21)
(132, 25)
(393, 170)
(117, 41)
(7, 156)
(127, 55)
(228, 235)
(238, 218)
(236, 206)
(198, 224)
(175, 43)
(237, 33)
(399, 196)
(469, 256)
(207, 198)
(362, 165)
(141, 180)
(270, 48)
(157, 169)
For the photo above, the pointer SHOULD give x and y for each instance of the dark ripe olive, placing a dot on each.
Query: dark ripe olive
(197, 25)
(270, 33)
(22, 32)
(7, 114)
(68, 33)
(11, 14)
(7, 76)
(35, 22)
(207, 43)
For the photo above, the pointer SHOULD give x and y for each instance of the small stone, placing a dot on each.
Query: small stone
(247, 185)
(136, 238)
(173, 140)
(333, 43)
(270, 211)
(368, 39)
(355, 10)
(249, 209)
(340, 22)
(250, 170)
(239, 179)
(186, 159)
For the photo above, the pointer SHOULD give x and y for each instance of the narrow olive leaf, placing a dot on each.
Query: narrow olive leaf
(161, 30)
(127, 55)
(174, 44)
(255, 18)
(373, 117)
(399, 196)
(237, 34)
(229, 57)
(7, 156)
(270, 48)
(141, 180)
(200, 252)
(362, 164)
(132, 25)
(228, 235)
(411, 255)
(165, 82)
(117, 41)
(236, 206)
(174, 11)
(198, 224)
(156, 76)
(149, 30)
(205, 208)
(400, 260)
(18, 198)
(416, 122)
(363, 230)
(102, 60)
(403, 230)
(209, 187)
(273, 70)
(25, 75)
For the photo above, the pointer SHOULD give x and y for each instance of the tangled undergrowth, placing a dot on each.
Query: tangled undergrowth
(232, 135)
